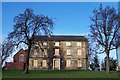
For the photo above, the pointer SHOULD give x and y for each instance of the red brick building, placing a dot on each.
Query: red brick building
(19, 61)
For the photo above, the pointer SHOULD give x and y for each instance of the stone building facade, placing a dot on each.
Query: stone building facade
(59, 52)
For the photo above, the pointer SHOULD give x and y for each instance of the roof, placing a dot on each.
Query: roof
(60, 38)
(26, 51)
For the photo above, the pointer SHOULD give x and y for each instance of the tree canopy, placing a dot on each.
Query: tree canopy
(103, 30)
(27, 25)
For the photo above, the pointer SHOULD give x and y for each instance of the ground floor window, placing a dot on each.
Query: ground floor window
(68, 63)
(56, 63)
(44, 63)
(79, 63)
(35, 63)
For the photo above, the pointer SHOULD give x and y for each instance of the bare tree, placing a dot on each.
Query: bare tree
(26, 26)
(7, 47)
(104, 26)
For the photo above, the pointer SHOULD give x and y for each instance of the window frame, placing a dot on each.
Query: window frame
(68, 63)
(79, 63)
(21, 57)
(57, 52)
(79, 44)
(35, 62)
(68, 44)
(68, 52)
(57, 43)
(44, 63)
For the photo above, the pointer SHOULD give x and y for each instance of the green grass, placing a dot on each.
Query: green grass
(59, 74)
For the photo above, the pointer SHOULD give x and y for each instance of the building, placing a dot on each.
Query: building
(19, 60)
(118, 54)
(59, 52)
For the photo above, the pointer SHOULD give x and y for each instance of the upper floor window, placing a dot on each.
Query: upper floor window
(79, 43)
(84, 51)
(21, 57)
(56, 51)
(68, 44)
(56, 43)
(45, 43)
(79, 52)
(35, 52)
(68, 51)
(84, 44)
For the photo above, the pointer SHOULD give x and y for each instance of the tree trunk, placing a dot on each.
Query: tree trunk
(27, 59)
(107, 62)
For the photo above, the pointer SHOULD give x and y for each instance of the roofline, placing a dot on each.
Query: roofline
(83, 38)
(18, 52)
(62, 35)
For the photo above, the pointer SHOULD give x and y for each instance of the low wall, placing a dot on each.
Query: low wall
(15, 65)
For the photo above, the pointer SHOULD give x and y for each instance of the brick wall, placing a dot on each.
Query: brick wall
(15, 65)
(19, 65)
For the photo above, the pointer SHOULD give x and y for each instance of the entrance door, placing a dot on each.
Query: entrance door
(56, 64)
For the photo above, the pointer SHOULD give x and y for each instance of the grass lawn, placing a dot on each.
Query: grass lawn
(59, 74)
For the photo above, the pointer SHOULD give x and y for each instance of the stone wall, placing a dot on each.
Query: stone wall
(63, 57)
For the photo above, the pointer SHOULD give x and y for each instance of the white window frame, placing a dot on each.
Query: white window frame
(35, 63)
(57, 51)
(68, 52)
(57, 44)
(79, 62)
(44, 63)
(68, 63)
(56, 63)
(79, 44)
(68, 43)
(45, 43)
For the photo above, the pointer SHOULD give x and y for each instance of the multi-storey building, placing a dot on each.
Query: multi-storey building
(118, 54)
(59, 52)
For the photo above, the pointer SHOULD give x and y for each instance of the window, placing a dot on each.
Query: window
(68, 51)
(56, 63)
(56, 43)
(79, 63)
(68, 63)
(35, 63)
(68, 44)
(56, 51)
(84, 50)
(79, 52)
(45, 51)
(21, 57)
(45, 43)
(35, 52)
(44, 63)
(84, 44)
(79, 43)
